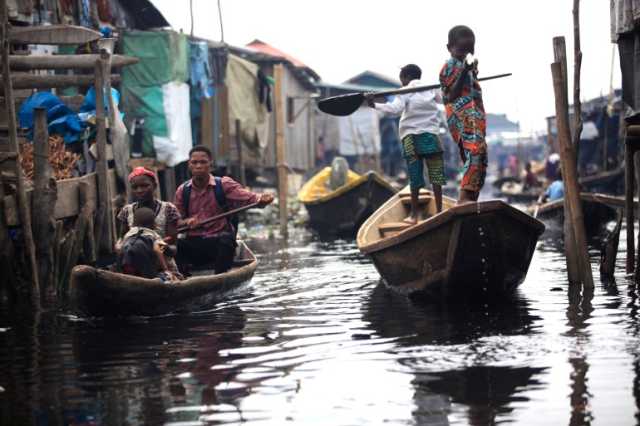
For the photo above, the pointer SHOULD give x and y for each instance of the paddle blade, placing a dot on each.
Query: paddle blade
(341, 105)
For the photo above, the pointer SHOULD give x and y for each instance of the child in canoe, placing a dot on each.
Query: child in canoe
(143, 251)
(465, 110)
(419, 129)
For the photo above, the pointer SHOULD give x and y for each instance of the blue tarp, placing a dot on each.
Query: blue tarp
(60, 118)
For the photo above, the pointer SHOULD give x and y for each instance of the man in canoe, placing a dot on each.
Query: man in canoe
(419, 128)
(205, 196)
(465, 110)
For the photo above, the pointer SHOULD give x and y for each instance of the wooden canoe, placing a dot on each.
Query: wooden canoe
(343, 210)
(474, 248)
(597, 210)
(515, 191)
(98, 292)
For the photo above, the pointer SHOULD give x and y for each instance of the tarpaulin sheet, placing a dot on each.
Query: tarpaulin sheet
(164, 57)
(244, 105)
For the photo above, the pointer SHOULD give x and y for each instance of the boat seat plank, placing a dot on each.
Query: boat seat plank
(393, 227)
(422, 199)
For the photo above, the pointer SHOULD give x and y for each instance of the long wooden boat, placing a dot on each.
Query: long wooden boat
(474, 248)
(610, 182)
(99, 292)
(514, 191)
(343, 210)
(597, 210)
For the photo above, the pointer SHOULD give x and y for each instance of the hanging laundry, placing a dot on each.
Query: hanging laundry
(200, 70)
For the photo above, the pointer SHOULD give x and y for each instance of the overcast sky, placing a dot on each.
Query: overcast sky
(340, 39)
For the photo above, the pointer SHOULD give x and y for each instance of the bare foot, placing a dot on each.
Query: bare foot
(410, 220)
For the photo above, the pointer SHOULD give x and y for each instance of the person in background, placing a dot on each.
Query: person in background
(551, 166)
(205, 196)
(419, 128)
(465, 110)
(555, 191)
(530, 178)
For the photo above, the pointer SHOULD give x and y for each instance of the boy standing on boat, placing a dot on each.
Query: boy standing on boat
(465, 110)
(419, 128)
(205, 196)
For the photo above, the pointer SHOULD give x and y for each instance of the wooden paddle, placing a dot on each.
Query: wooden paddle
(218, 217)
(538, 203)
(347, 104)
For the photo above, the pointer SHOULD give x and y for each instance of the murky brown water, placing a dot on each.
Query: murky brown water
(317, 340)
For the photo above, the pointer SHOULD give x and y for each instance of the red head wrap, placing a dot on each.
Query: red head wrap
(141, 171)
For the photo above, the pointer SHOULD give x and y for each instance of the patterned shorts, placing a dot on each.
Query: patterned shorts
(418, 149)
(474, 171)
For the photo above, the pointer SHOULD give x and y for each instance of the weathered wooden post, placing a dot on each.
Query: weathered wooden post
(104, 227)
(278, 71)
(21, 194)
(45, 195)
(629, 189)
(7, 251)
(573, 273)
(570, 175)
(242, 176)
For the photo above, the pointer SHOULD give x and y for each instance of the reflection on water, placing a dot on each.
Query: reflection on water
(317, 339)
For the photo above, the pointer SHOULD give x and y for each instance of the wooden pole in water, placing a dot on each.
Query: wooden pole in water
(45, 195)
(570, 176)
(629, 189)
(21, 194)
(577, 65)
(573, 273)
(278, 72)
(104, 231)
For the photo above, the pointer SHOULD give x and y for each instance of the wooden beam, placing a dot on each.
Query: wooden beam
(32, 81)
(53, 34)
(281, 160)
(23, 207)
(44, 200)
(63, 62)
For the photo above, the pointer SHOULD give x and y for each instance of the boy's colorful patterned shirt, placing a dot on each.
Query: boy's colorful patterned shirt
(465, 114)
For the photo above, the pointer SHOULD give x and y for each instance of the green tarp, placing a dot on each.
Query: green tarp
(164, 57)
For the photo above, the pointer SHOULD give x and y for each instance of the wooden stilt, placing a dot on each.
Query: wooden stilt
(281, 149)
(7, 251)
(241, 175)
(573, 272)
(21, 196)
(629, 190)
(104, 228)
(170, 183)
(45, 195)
(636, 164)
(570, 175)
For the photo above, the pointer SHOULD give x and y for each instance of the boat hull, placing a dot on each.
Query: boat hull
(344, 213)
(97, 292)
(477, 248)
(596, 213)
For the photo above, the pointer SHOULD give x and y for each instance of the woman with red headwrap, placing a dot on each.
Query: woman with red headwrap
(143, 183)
